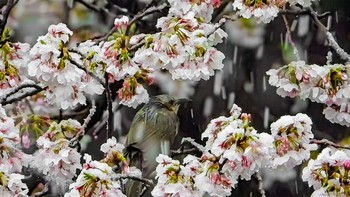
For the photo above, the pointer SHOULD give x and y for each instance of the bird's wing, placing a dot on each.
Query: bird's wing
(150, 135)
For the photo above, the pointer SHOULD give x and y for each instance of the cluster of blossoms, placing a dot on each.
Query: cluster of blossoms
(55, 159)
(10, 143)
(185, 45)
(235, 150)
(197, 177)
(53, 66)
(98, 178)
(327, 84)
(264, 11)
(11, 184)
(12, 159)
(115, 58)
(234, 141)
(292, 136)
(13, 63)
(329, 174)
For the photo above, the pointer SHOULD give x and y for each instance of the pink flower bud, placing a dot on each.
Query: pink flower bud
(346, 164)
(26, 140)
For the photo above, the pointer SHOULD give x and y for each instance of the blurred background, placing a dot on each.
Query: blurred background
(250, 49)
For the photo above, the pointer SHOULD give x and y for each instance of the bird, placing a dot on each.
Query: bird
(151, 133)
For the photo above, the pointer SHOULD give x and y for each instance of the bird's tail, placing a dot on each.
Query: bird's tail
(134, 157)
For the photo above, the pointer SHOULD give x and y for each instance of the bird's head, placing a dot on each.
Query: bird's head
(169, 102)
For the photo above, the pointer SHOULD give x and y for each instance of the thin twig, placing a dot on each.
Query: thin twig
(91, 113)
(110, 120)
(147, 11)
(105, 37)
(303, 12)
(81, 133)
(260, 184)
(178, 152)
(95, 8)
(29, 106)
(328, 143)
(195, 144)
(87, 71)
(136, 46)
(289, 36)
(77, 52)
(135, 178)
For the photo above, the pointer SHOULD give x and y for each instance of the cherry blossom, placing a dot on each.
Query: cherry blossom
(292, 135)
(13, 65)
(95, 179)
(11, 155)
(11, 184)
(329, 173)
(132, 93)
(184, 47)
(51, 64)
(55, 158)
(327, 84)
(202, 9)
(232, 138)
(263, 12)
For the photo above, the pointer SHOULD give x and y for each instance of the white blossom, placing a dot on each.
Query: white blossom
(112, 145)
(328, 174)
(262, 12)
(292, 136)
(96, 179)
(55, 158)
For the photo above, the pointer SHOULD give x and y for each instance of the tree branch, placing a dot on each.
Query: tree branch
(10, 4)
(328, 143)
(18, 88)
(260, 184)
(22, 96)
(343, 55)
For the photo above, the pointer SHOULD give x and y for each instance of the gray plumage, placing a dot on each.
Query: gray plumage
(152, 132)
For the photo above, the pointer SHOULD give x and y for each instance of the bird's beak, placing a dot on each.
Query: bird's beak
(182, 101)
